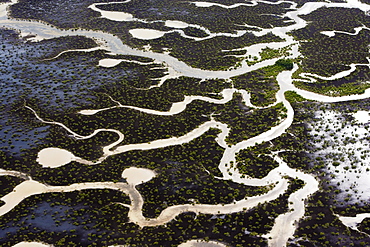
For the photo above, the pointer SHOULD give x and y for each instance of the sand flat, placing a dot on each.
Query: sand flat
(137, 176)
(146, 34)
(54, 157)
(109, 62)
(176, 24)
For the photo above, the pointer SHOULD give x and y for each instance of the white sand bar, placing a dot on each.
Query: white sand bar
(109, 62)
(14, 174)
(116, 16)
(209, 4)
(54, 157)
(357, 30)
(176, 24)
(112, 15)
(144, 33)
(136, 176)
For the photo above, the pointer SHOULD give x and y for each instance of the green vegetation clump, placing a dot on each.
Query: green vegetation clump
(246, 122)
(365, 226)
(286, 64)
(256, 161)
(292, 96)
(335, 90)
(268, 53)
(261, 83)
(7, 184)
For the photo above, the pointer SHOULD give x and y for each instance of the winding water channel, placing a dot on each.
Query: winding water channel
(285, 224)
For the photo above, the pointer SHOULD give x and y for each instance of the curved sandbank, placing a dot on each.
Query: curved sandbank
(76, 50)
(229, 154)
(129, 147)
(339, 75)
(45, 157)
(179, 107)
(56, 123)
(250, 4)
(14, 174)
(209, 4)
(352, 222)
(31, 187)
(286, 224)
(53, 157)
(357, 30)
(171, 212)
(148, 34)
(286, 84)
